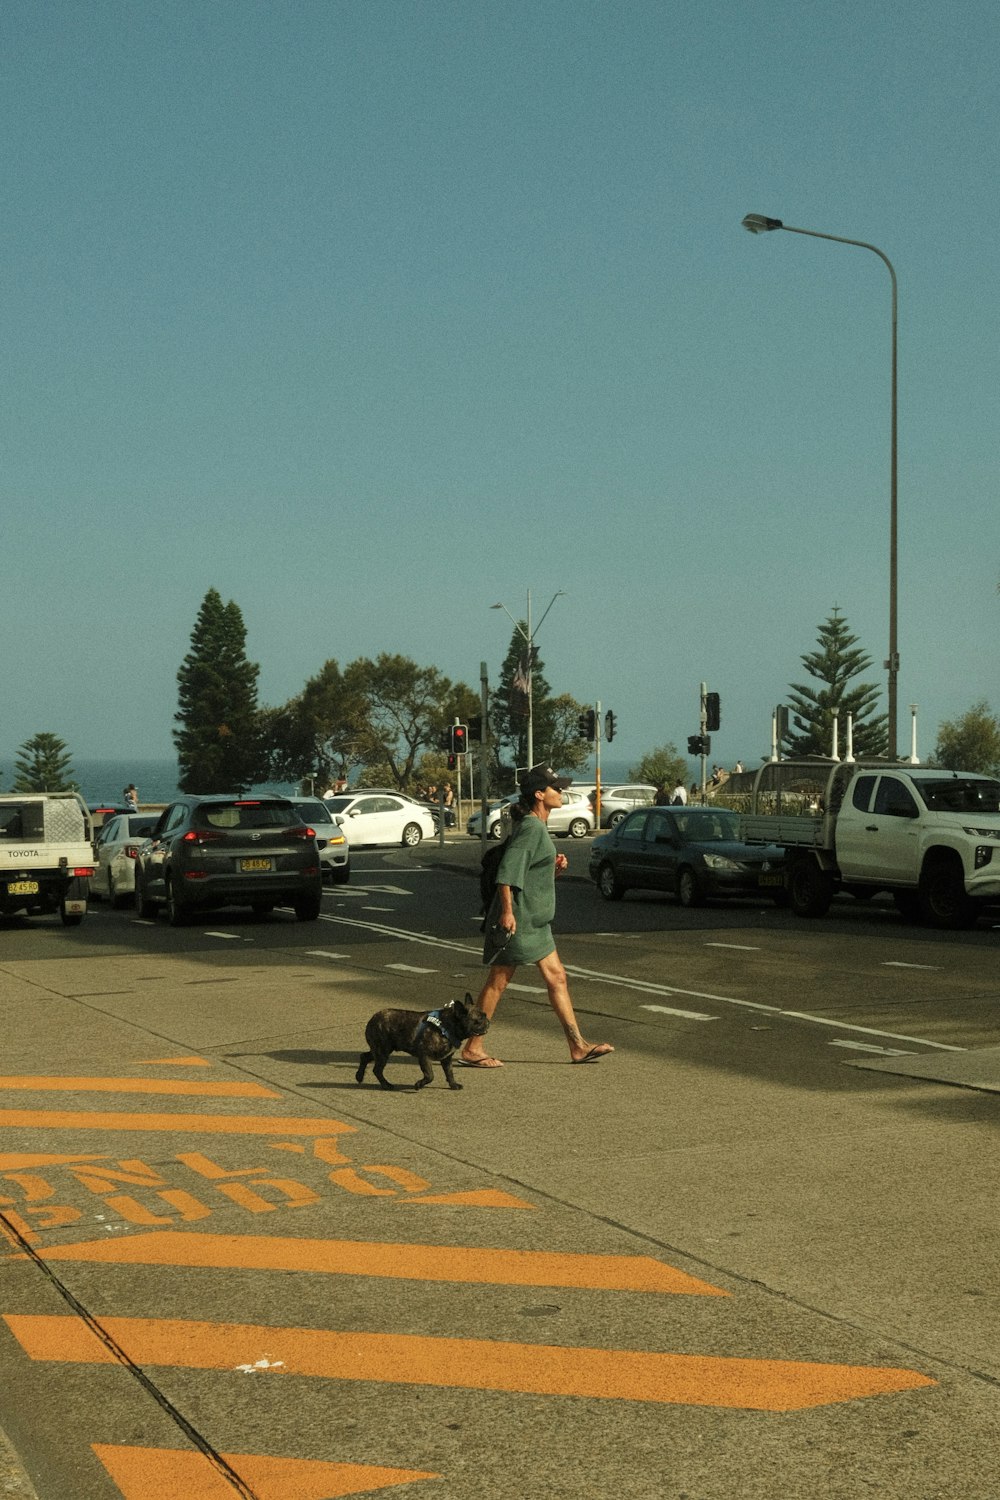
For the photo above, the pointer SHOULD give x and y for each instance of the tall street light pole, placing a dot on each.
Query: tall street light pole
(529, 637)
(760, 224)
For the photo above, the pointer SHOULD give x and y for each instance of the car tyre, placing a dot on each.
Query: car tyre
(608, 883)
(907, 903)
(943, 901)
(616, 818)
(144, 907)
(690, 891)
(579, 828)
(496, 829)
(177, 913)
(810, 889)
(307, 908)
(412, 834)
(340, 876)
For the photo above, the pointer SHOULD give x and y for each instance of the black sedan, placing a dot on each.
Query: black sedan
(692, 852)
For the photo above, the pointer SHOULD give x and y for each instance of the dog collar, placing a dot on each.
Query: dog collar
(434, 1018)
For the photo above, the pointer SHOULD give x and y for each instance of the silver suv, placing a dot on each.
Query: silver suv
(619, 798)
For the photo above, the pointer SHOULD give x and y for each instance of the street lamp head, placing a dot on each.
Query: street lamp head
(760, 223)
(496, 606)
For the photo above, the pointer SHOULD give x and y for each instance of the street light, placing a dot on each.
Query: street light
(529, 637)
(760, 224)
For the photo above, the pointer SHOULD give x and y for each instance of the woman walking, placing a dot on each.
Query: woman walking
(518, 923)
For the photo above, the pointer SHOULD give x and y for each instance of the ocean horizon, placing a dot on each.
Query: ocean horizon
(103, 781)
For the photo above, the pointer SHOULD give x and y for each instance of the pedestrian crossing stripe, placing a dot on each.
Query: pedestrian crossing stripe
(412, 1262)
(460, 1363)
(180, 1474)
(227, 1088)
(78, 1119)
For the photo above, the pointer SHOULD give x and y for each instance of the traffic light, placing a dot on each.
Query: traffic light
(610, 725)
(476, 728)
(586, 724)
(699, 744)
(711, 710)
(452, 762)
(459, 739)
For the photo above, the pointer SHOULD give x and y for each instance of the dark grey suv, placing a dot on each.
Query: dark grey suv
(229, 851)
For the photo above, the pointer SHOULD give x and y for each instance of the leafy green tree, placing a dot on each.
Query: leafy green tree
(970, 743)
(664, 766)
(315, 736)
(44, 765)
(834, 665)
(399, 709)
(218, 741)
(554, 719)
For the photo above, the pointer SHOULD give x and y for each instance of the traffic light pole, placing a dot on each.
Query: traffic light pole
(484, 752)
(597, 769)
(703, 730)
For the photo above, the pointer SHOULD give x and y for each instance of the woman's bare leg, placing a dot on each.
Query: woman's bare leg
(551, 969)
(497, 980)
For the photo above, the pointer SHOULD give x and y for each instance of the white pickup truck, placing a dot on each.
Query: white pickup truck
(46, 854)
(929, 837)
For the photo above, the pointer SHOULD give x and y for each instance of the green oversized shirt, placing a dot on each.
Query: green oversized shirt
(529, 868)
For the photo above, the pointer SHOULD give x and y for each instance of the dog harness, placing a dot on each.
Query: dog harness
(436, 1019)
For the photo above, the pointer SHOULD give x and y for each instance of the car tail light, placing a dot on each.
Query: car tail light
(84, 870)
(201, 836)
(302, 831)
(131, 851)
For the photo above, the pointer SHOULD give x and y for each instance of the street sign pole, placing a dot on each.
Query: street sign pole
(597, 772)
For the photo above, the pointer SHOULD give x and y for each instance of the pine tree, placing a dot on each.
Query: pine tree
(218, 742)
(838, 660)
(43, 765)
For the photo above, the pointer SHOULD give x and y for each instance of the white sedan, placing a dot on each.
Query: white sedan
(575, 819)
(381, 818)
(114, 855)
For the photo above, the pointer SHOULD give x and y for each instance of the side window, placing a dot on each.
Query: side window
(367, 805)
(894, 799)
(658, 829)
(631, 829)
(174, 817)
(862, 794)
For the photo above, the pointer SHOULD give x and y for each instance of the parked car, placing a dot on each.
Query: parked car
(618, 798)
(331, 840)
(381, 818)
(229, 851)
(388, 791)
(692, 852)
(573, 820)
(115, 849)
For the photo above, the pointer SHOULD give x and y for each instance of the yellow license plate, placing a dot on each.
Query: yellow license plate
(256, 864)
(776, 878)
(22, 888)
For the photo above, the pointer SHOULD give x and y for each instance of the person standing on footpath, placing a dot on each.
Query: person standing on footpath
(131, 797)
(518, 923)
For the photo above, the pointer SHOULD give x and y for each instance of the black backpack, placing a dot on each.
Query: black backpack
(488, 876)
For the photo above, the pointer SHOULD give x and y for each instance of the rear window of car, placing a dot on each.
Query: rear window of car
(245, 815)
(139, 825)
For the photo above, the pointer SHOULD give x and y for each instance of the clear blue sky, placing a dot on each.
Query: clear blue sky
(372, 314)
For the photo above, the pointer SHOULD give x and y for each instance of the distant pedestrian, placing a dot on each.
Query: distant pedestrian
(661, 797)
(737, 768)
(518, 923)
(131, 797)
(680, 795)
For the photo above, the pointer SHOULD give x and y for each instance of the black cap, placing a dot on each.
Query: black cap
(539, 777)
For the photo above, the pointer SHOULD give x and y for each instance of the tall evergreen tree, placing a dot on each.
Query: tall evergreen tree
(835, 664)
(553, 718)
(218, 742)
(43, 765)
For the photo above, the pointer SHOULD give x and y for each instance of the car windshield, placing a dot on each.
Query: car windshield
(314, 812)
(961, 795)
(245, 815)
(715, 827)
(339, 804)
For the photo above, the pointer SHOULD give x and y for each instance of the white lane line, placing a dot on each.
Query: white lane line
(323, 953)
(894, 963)
(528, 989)
(867, 1047)
(378, 908)
(230, 937)
(648, 987)
(411, 969)
(742, 947)
(687, 1015)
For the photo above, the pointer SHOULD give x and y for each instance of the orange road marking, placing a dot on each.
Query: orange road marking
(479, 1198)
(626, 1273)
(172, 1062)
(469, 1364)
(12, 1161)
(179, 1474)
(78, 1119)
(230, 1089)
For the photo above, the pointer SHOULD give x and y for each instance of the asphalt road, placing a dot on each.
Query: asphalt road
(737, 1258)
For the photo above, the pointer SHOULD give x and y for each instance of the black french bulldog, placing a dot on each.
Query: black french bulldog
(427, 1035)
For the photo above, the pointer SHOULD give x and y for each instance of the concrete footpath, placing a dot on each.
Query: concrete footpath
(680, 1274)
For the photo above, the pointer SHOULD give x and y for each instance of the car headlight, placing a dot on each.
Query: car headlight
(983, 833)
(721, 862)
